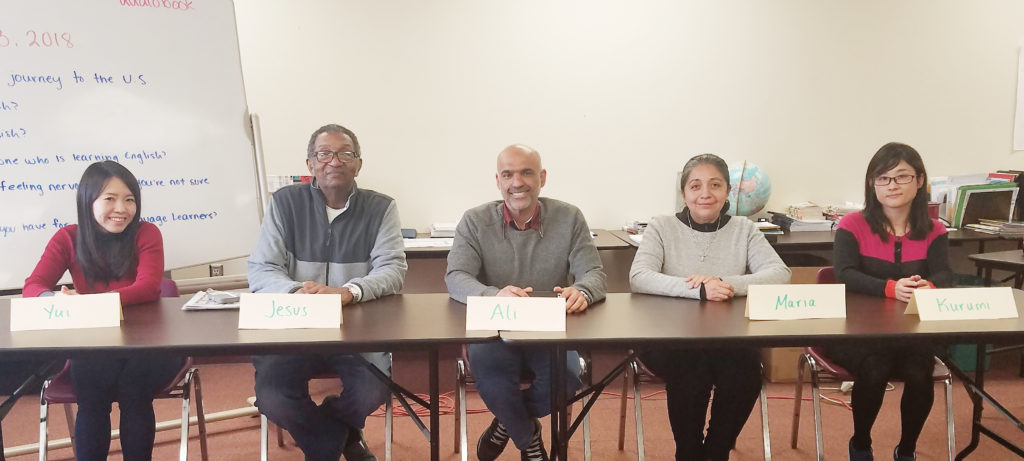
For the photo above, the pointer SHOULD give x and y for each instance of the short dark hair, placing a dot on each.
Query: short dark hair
(101, 255)
(333, 128)
(887, 157)
(704, 159)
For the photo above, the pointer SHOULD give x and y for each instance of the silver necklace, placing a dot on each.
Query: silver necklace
(710, 240)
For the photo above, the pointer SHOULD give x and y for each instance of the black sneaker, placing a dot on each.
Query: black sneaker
(355, 447)
(492, 442)
(535, 452)
(897, 456)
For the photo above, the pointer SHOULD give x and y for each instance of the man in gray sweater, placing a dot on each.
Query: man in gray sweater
(512, 247)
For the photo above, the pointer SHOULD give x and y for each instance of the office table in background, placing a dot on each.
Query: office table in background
(1012, 261)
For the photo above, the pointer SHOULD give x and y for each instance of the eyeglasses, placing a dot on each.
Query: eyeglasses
(344, 157)
(901, 179)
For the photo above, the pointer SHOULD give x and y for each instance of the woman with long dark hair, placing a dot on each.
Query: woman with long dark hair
(891, 249)
(110, 250)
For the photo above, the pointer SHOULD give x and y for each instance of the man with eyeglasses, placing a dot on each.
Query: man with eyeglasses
(328, 236)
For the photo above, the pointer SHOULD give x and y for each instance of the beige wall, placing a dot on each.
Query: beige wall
(616, 95)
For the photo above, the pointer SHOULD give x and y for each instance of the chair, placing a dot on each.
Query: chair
(820, 367)
(58, 389)
(637, 373)
(265, 426)
(464, 377)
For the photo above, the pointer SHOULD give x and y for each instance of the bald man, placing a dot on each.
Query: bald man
(512, 247)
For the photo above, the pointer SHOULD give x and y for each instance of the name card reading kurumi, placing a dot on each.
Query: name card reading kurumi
(791, 302)
(515, 314)
(66, 312)
(963, 304)
(278, 311)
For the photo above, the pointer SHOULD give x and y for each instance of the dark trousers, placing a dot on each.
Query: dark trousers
(320, 431)
(872, 368)
(690, 375)
(12, 374)
(132, 383)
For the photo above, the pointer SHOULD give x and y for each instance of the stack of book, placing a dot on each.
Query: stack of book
(635, 227)
(792, 224)
(1001, 228)
(442, 230)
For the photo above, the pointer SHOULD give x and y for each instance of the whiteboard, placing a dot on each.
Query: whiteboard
(154, 85)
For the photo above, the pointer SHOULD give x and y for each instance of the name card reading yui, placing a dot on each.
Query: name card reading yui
(791, 302)
(278, 311)
(66, 312)
(963, 304)
(515, 314)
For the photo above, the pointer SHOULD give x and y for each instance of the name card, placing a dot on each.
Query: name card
(791, 302)
(66, 312)
(278, 311)
(515, 314)
(963, 304)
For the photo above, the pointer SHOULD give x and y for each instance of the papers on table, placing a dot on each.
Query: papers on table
(429, 242)
(202, 300)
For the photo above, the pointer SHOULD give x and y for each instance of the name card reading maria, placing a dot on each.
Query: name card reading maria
(66, 312)
(515, 314)
(277, 311)
(791, 302)
(963, 304)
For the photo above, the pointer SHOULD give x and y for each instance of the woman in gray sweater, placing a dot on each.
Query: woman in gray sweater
(703, 253)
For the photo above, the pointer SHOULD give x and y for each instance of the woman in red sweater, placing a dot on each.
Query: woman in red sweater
(109, 250)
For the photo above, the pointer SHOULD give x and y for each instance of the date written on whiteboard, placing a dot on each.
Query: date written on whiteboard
(35, 39)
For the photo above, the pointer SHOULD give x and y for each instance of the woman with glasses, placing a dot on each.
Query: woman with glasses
(891, 249)
(703, 253)
(109, 250)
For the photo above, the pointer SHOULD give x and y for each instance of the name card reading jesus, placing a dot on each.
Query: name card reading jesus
(963, 304)
(790, 302)
(66, 312)
(515, 314)
(276, 311)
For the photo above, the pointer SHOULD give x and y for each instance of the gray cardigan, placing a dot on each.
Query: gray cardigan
(486, 256)
(668, 253)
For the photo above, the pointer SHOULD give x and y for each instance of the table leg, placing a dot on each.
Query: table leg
(988, 276)
(555, 408)
(562, 445)
(976, 401)
(435, 408)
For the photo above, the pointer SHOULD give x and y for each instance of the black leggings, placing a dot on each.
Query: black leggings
(872, 368)
(690, 375)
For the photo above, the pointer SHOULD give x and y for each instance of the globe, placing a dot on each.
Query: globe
(750, 188)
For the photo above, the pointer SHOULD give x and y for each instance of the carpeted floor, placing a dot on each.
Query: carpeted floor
(228, 386)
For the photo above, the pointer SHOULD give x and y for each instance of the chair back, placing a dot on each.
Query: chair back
(168, 289)
(826, 275)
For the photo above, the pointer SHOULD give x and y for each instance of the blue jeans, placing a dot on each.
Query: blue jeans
(132, 383)
(498, 367)
(282, 394)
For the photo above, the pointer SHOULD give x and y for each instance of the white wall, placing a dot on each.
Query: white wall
(616, 95)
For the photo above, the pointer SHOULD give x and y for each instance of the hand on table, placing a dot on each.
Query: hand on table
(717, 290)
(905, 287)
(575, 300)
(313, 288)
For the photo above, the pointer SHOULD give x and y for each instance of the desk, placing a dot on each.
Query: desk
(629, 320)
(402, 322)
(1012, 260)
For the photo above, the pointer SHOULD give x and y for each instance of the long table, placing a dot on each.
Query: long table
(635, 320)
(422, 322)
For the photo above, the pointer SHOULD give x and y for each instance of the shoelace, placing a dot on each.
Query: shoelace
(536, 450)
(499, 436)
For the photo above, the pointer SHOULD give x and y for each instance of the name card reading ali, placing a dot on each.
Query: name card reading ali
(963, 304)
(792, 302)
(66, 312)
(278, 311)
(515, 314)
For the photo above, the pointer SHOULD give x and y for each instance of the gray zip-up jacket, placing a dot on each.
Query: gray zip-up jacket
(362, 246)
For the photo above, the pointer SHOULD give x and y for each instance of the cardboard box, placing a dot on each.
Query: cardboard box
(780, 363)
